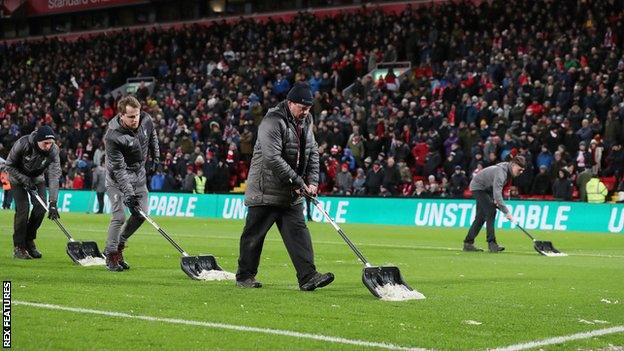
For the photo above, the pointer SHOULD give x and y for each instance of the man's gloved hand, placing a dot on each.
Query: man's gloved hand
(53, 213)
(30, 185)
(133, 205)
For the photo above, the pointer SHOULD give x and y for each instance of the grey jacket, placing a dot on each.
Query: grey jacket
(99, 179)
(126, 152)
(493, 179)
(26, 162)
(281, 160)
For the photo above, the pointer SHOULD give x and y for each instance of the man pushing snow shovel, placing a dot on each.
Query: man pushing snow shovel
(129, 137)
(487, 189)
(30, 157)
(285, 164)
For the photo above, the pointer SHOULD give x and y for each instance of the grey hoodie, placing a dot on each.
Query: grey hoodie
(493, 179)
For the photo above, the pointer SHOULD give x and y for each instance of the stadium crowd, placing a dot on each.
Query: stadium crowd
(540, 79)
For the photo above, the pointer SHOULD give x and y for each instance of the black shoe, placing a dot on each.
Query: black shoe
(471, 248)
(122, 262)
(318, 280)
(112, 262)
(32, 249)
(249, 283)
(494, 247)
(21, 253)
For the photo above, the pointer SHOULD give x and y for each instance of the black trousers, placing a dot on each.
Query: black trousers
(295, 235)
(100, 199)
(27, 222)
(486, 213)
(8, 198)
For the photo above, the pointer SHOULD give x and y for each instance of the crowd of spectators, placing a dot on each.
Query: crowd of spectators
(542, 79)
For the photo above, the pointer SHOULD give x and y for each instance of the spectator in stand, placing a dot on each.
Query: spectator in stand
(596, 190)
(392, 176)
(157, 182)
(459, 183)
(344, 181)
(581, 182)
(562, 186)
(99, 184)
(541, 182)
(359, 183)
(374, 179)
(545, 158)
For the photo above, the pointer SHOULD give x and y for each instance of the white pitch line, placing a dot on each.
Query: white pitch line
(562, 339)
(214, 325)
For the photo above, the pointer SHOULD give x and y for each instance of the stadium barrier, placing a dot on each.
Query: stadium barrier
(449, 213)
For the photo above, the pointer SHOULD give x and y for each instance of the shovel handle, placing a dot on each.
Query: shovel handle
(56, 220)
(163, 233)
(344, 236)
(518, 225)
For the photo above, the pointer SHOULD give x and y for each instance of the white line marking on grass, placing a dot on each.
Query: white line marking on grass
(214, 325)
(562, 339)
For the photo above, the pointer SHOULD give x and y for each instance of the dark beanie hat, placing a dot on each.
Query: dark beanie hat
(301, 94)
(43, 133)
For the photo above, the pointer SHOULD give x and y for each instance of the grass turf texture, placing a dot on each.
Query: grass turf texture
(517, 295)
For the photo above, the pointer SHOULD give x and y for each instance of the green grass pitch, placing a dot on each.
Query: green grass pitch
(517, 296)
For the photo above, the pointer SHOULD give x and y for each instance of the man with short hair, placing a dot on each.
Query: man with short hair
(30, 157)
(284, 166)
(129, 138)
(487, 189)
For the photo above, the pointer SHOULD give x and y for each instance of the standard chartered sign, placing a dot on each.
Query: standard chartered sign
(560, 216)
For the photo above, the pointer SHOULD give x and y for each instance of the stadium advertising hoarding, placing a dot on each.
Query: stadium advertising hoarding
(451, 213)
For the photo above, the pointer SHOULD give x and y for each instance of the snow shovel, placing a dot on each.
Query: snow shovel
(84, 253)
(202, 267)
(384, 282)
(544, 248)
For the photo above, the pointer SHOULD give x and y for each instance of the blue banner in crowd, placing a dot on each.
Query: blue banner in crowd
(451, 213)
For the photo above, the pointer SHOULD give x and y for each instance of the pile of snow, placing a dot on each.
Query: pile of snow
(397, 292)
(214, 274)
(555, 254)
(607, 301)
(92, 261)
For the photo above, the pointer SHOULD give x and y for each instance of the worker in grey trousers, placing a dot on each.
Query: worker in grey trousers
(129, 138)
(487, 189)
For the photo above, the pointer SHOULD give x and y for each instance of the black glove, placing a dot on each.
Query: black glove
(30, 185)
(53, 211)
(133, 205)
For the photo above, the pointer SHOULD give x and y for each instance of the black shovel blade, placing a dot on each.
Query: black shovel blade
(90, 248)
(75, 252)
(194, 265)
(545, 248)
(375, 277)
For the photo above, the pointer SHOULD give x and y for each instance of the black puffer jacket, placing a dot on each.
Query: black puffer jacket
(26, 162)
(126, 152)
(275, 171)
